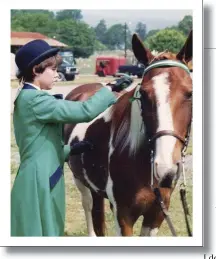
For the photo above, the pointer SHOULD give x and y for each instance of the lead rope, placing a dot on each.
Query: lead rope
(164, 210)
(184, 196)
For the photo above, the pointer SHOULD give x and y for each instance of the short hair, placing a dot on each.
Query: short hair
(29, 75)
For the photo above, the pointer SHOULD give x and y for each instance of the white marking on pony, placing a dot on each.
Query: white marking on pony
(164, 144)
(87, 203)
(147, 231)
(93, 186)
(80, 129)
(131, 133)
(109, 188)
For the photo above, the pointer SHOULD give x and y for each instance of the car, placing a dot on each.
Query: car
(134, 70)
(67, 69)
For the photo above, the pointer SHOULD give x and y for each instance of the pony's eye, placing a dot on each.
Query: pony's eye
(188, 95)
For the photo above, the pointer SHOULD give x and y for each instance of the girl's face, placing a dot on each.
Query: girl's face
(46, 79)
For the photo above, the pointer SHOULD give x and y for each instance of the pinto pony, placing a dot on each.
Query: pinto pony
(137, 143)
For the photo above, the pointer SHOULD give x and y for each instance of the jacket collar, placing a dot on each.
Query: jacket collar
(29, 86)
(32, 87)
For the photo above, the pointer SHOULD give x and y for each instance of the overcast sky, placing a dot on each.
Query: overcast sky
(154, 19)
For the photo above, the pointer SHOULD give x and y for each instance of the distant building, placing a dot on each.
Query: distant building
(18, 39)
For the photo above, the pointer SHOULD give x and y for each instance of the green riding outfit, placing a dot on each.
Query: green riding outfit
(38, 194)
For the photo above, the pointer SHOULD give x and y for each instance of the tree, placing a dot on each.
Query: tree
(115, 37)
(186, 24)
(171, 40)
(31, 11)
(77, 35)
(33, 22)
(151, 33)
(69, 14)
(100, 31)
(141, 30)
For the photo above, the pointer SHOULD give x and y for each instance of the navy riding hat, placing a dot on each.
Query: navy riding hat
(33, 53)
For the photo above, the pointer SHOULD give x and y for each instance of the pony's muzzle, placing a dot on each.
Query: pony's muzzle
(165, 174)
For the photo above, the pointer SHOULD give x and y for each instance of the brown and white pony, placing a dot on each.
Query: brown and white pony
(119, 168)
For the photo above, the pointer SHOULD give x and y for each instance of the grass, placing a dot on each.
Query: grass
(75, 219)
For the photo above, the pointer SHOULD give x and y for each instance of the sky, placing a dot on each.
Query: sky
(154, 19)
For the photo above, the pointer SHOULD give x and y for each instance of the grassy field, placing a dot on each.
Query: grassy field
(75, 220)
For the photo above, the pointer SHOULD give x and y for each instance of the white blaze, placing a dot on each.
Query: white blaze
(164, 144)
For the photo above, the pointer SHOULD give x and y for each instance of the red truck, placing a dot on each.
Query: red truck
(108, 65)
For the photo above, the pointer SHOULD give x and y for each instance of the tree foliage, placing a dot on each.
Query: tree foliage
(141, 30)
(167, 39)
(67, 26)
(100, 31)
(151, 33)
(186, 24)
(69, 14)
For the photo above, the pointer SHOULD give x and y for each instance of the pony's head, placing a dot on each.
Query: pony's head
(166, 97)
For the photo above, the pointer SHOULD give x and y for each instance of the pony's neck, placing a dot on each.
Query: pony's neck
(131, 132)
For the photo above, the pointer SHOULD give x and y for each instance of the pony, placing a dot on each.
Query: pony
(137, 142)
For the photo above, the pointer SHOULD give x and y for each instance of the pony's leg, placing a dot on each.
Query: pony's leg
(123, 223)
(126, 225)
(87, 203)
(154, 217)
(98, 214)
(150, 226)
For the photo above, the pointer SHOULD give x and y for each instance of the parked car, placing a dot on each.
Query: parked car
(67, 70)
(134, 70)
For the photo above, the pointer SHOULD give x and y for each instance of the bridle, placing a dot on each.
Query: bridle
(151, 141)
(184, 141)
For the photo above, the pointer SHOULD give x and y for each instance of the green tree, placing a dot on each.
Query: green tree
(151, 33)
(15, 12)
(141, 30)
(77, 35)
(171, 40)
(100, 31)
(30, 22)
(115, 37)
(186, 24)
(69, 14)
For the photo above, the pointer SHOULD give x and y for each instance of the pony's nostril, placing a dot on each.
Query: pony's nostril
(167, 180)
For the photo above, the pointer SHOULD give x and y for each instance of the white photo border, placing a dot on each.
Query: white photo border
(197, 240)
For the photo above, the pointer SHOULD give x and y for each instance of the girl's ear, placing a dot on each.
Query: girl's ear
(34, 72)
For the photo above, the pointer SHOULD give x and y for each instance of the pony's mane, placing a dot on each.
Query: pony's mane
(127, 125)
(165, 55)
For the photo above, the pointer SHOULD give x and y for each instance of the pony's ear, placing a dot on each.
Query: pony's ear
(142, 54)
(186, 53)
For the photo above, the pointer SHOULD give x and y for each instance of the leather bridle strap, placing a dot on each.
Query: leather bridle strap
(166, 133)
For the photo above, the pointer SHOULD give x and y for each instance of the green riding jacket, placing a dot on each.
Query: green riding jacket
(38, 195)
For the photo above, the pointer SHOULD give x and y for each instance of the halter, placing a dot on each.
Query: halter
(166, 63)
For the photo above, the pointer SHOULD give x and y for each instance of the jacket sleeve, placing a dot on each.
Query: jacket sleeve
(67, 149)
(48, 109)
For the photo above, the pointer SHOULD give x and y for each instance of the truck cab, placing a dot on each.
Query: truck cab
(67, 69)
(134, 70)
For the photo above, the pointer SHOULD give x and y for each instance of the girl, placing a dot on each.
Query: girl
(38, 195)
